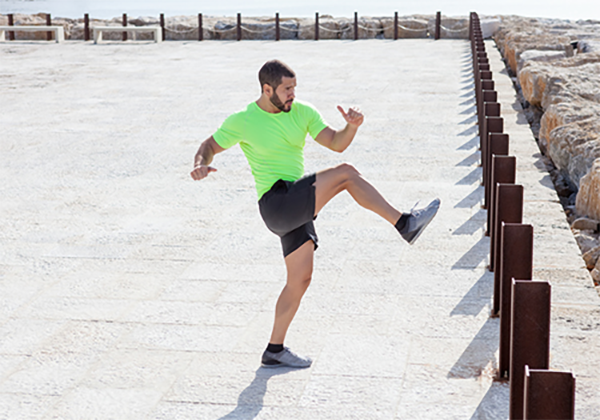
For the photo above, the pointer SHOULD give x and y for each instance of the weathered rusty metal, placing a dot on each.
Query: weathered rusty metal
(200, 28)
(355, 26)
(548, 395)
(316, 26)
(491, 125)
(438, 23)
(86, 27)
(503, 171)
(48, 23)
(11, 22)
(395, 26)
(239, 26)
(529, 335)
(516, 262)
(124, 25)
(277, 34)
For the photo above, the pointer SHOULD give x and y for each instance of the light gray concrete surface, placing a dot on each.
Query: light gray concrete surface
(128, 291)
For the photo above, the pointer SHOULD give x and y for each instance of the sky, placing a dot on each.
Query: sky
(572, 9)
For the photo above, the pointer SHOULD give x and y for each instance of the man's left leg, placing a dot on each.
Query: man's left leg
(299, 265)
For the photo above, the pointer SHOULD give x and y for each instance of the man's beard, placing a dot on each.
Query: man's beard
(280, 105)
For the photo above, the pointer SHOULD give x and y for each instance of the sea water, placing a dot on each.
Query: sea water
(103, 9)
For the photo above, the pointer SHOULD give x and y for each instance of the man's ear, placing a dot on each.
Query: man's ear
(268, 89)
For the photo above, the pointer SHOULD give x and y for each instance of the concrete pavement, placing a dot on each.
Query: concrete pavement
(128, 291)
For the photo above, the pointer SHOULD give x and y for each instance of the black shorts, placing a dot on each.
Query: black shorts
(288, 210)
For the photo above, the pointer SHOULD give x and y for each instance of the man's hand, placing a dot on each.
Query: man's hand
(201, 172)
(354, 117)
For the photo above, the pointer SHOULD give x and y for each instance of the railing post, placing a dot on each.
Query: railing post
(316, 26)
(501, 173)
(516, 263)
(48, 23)
(438, 23)
(395, 26)
(200, 28)
(277, 34)
(11, 22)
(239, 26)
(86, 27)
(124, 25)
(509, 209)
(162, 25)
(530, 338)
(491, 125)
(548, 395)
(355, 26)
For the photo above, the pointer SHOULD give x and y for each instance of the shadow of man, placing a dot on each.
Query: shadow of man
(251, 400)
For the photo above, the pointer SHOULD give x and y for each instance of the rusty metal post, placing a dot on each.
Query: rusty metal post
(491, 125)
(200, 28)
(485, 96)
(438, 23)
(277, 34)
(48, 23)
(124, 25)
(239, 26)
(480, 86)
(500, 174)
(316, 26)
(11, 22)
(530, 337)
(355, 26)
(161, 19)
(548, 395)
(395, 26)
(509, 209)
(86, 27)
(516, 263)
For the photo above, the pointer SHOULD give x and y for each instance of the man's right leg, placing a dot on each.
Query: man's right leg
(299, 265)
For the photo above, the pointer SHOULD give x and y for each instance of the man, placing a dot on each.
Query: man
(271, 133)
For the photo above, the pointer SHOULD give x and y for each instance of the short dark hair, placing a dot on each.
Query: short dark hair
(272, 72)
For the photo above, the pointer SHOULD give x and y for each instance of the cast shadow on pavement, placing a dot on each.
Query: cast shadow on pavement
(479, 358)
(477, 298)
(251, 400)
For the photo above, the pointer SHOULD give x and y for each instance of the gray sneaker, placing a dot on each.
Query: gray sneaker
(284, 358)
(418, 221)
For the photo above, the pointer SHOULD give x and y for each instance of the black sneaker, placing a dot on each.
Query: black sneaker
(418, 221)
(286, 357)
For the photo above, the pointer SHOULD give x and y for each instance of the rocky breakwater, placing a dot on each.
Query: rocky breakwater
(257, 28)
(556, 66)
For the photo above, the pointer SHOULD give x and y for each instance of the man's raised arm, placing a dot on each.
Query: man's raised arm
(204, 156)
(339, 140)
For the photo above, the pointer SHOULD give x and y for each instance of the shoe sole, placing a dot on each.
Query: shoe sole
(413, 239)
(282, 365)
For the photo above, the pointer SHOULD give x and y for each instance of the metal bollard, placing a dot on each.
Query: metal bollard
(503, 172)
(11, 22)
(491, 125)
(548, 395)
(161, 19)
(239, 26)
(200, 28)
(486, 96)
(86, 27)
(438, 23)
(124, 25)
(48, 23)
(317, 26)
(277, 34)
(530, 337)
(395, 26)
(516, 263)
(355, 26)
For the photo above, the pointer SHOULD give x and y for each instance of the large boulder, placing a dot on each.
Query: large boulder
(408, 27)
(588, 198)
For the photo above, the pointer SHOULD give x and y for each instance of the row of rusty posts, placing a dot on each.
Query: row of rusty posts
(87, 33)
(522, 304)
(11, 22)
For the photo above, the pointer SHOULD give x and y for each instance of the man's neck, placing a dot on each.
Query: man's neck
(266, 105)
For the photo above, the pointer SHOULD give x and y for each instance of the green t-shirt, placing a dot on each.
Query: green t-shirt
(273, 143)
